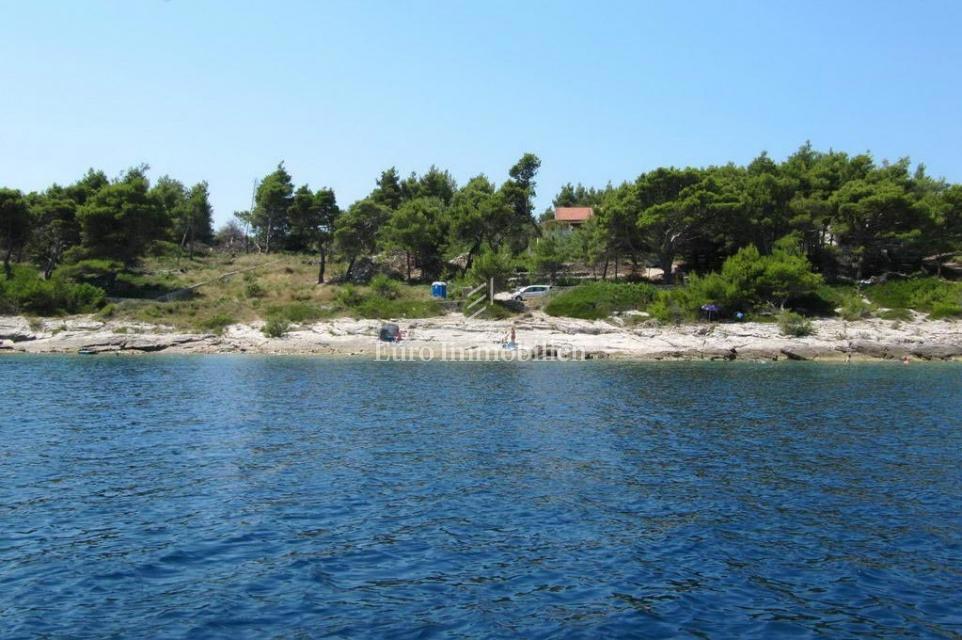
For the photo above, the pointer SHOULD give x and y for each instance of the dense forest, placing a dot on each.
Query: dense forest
(846, 217)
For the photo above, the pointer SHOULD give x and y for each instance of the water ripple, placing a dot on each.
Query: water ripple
(246, 497)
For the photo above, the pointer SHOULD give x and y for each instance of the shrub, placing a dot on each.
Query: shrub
(252, 288)
(132, 285)
(754, 279)
(896, 314)
(275, 327)
(497, 311)
(921, 294)
(295, 311)
(793, 324)
(855, 307)
(824, 301)
(385, 287)
(497, 265)
(748, 280)
(945, 310)
(348, 296)
(671, 309)
(598, 300)
(547, 255)
(161, 248)
(683, 304)
(712, 288)
(378, 307)
(100, 273)
(26, 291)
(217, 323)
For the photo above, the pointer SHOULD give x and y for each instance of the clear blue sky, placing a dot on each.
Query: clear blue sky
(601, 91)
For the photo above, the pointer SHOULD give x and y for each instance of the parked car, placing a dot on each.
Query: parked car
(532, 291)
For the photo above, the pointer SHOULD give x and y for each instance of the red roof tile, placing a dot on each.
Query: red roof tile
(573, 214)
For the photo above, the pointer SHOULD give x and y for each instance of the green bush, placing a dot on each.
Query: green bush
(597, 300)
(348, 296)
(100, 273)
(377, 307)
(547, 255)
(753, 280)
(497, 265)
(855, 307)
(941, 310)
(26, 291)
(217, 323)
(164, 248)
(748, 280)
(921, 294)
(497, 311)
(672, 307)
(296, 311)
(896, 314)
(683, 304)
(824, 301)
(252, 288)
(385, 287)
(793, 324)
(275, 327)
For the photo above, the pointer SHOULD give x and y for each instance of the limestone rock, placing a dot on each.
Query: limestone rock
(937, 351)
(15, 329)
(878, 349)
(803, 352)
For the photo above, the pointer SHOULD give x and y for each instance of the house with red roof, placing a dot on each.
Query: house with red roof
(572, 216)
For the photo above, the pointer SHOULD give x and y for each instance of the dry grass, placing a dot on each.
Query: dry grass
(274, 286)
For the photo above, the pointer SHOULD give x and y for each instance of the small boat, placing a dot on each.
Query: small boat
(86, 352)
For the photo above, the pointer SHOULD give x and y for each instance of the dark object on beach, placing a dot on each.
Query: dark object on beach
(389, 333)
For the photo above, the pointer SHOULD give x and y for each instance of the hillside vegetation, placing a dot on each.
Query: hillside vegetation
(262, 287)
(802, 235)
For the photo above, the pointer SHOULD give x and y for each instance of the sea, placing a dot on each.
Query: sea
(244, 496)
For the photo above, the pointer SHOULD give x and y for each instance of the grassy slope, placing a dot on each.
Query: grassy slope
(278, 286)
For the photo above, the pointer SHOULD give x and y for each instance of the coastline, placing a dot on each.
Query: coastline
(539, 337)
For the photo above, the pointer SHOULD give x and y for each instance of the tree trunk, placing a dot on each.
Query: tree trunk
(407, 257)
(56, 251)
(6, 262)
(350, 267)
(604, 273)
(49, 267)
(320, 269)
(470, 260)
(666, 262)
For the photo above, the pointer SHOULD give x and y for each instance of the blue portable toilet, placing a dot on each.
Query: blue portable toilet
(439, 289)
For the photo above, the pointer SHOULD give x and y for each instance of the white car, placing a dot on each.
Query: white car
(532, 291)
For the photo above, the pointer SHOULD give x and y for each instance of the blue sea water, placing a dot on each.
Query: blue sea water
(260, 497)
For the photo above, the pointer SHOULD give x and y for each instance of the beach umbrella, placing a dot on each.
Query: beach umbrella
(710, 309)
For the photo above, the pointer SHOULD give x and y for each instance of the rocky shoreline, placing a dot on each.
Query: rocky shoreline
(539, 336)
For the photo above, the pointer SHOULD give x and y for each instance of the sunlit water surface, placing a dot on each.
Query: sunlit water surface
(252, 497)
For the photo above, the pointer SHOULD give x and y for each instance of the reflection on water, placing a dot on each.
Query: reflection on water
(252, 497)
